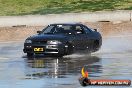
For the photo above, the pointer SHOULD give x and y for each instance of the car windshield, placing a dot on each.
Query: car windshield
(58, 29)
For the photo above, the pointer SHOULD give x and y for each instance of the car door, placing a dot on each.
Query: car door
(80, 38)
(88, 37)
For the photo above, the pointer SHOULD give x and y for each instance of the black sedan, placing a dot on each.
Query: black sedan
(63, 39)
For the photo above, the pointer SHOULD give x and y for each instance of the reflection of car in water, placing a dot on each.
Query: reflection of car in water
(63, 39)
(61, 67)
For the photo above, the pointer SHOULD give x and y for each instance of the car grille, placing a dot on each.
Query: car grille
(39, 42)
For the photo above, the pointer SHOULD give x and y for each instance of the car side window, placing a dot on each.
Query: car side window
(79, 30)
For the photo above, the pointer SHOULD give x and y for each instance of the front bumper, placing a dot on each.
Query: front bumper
(47, 49)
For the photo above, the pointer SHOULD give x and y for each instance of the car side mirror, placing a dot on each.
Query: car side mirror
(95, 30)
(39, 32)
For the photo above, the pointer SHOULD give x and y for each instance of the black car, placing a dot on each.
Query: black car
(63, 39)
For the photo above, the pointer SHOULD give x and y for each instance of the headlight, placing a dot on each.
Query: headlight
(53, 42)
(28, 41)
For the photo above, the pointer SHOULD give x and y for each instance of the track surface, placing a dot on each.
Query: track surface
(113, 61)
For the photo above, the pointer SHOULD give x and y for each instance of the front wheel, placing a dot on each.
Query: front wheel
(60, 55)
(30, 54)
(68, 49)
(55, 55)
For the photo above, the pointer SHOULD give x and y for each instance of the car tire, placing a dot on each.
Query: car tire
(95, 46)
(57, 55)
(60, 55)
(30, 54)
(69, 49)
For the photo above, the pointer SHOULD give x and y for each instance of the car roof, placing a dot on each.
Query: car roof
(66, 24)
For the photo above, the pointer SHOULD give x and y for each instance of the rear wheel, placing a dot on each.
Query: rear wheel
(96, 46)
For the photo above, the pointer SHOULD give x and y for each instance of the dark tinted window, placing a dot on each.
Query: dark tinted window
(86, 29)
(79, 30)
(57, 29)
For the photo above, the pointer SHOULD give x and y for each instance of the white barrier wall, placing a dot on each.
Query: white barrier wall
(39, 20)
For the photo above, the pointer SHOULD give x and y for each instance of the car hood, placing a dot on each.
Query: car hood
(41, 37)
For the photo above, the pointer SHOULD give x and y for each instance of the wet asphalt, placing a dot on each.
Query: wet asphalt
(112, 61)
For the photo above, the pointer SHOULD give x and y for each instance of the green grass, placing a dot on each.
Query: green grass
(27, 7)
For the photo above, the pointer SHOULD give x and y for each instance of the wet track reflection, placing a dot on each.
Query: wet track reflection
(112, 61)
(62, 67)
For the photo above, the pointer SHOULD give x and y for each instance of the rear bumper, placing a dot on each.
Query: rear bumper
(47, 49)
